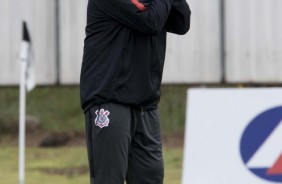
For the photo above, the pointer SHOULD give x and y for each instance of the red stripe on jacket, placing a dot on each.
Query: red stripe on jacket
(139, 5)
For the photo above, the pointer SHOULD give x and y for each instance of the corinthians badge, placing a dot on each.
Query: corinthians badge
(102, 119)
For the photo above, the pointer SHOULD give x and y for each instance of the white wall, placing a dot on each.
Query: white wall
(72, 34)
(40, 18)
(254, 41)
(195, 57)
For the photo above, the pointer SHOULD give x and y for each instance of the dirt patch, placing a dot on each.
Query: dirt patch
(35, 139)
(61, 139)
(73, 171)
(175, 140)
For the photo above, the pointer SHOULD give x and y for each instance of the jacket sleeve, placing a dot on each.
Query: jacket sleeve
(148, 18)
(179, 18)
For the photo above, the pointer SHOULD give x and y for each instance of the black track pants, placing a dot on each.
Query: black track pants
(124, 143)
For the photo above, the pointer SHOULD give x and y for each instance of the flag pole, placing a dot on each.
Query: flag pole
(27, 83)
(24, 56)
(22, 122)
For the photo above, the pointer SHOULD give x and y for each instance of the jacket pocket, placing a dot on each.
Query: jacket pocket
(155, 68)
(126, 56)
(125, 63)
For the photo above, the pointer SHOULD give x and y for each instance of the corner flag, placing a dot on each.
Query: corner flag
(27, 83)
(26, 55)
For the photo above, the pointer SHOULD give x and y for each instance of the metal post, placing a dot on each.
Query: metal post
(22, 123)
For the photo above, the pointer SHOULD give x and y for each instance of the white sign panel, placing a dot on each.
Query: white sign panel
(233, 136)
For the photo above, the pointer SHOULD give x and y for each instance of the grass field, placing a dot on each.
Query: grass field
(67, 165)
(58, 110)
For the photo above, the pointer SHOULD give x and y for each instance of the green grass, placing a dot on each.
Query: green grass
(62, 161)
(58, 108)
(172, 108)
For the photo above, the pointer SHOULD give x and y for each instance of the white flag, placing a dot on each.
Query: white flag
(26, 55)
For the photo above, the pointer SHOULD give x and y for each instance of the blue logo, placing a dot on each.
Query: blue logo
(261, 145)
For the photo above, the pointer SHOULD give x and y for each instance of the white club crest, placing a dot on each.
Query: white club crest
(102, 119)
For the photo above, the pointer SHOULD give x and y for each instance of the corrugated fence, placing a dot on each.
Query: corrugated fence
(232, 41)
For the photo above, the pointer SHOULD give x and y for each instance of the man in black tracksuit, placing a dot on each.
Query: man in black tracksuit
(120, 82)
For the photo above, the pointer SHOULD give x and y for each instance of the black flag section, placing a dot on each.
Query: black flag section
(26, 36)
(26, 55)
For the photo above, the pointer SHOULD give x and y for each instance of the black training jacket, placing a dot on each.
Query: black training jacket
(124, 50)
